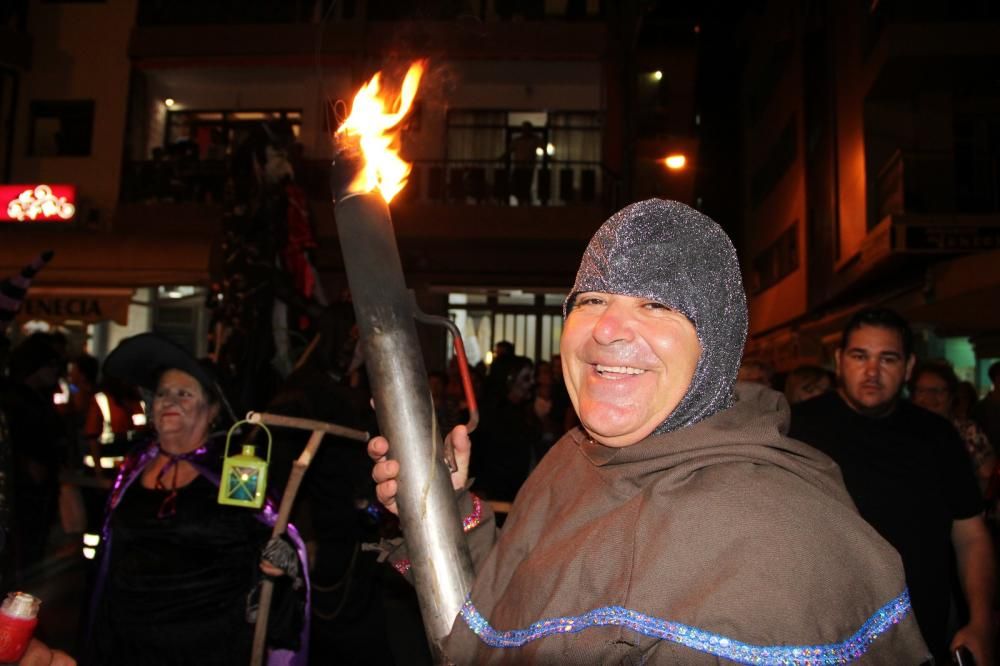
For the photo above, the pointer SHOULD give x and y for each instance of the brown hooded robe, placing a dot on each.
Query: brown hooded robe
(726, 526)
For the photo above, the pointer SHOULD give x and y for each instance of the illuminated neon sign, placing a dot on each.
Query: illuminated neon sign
(37, 203)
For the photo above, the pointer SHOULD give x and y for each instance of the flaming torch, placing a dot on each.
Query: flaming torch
(367, 173)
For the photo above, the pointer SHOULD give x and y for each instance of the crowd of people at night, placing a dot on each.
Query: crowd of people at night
(647, 495)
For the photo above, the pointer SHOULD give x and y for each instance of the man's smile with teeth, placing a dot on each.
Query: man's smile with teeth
(628, 361)
(617, 369)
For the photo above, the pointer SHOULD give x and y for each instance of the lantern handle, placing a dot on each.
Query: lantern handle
(270, 439)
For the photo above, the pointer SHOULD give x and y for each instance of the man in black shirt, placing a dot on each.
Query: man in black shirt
(910, 477)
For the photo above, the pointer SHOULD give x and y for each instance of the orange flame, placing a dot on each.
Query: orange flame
(374, 122)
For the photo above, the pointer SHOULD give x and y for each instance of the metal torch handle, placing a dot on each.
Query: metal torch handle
(463, 361)
(439, 555)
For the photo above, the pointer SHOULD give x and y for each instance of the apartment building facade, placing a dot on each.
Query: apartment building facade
(143, 121)
(872, 176)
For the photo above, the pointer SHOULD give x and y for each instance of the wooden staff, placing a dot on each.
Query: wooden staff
(299, 467)
(308, 352)
(308, 424)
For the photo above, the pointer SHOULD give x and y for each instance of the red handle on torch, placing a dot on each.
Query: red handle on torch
(463, 370)
(463, 361)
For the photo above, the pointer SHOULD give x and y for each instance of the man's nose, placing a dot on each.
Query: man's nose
(871, 367)
(614, 325)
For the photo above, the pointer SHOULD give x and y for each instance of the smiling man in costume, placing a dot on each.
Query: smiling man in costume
(678, 524)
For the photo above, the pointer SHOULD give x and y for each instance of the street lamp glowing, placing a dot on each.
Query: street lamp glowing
(168, 102)
(675, 162)
(657, 75)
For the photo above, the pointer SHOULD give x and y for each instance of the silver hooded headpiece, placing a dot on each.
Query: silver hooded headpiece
(672, 254)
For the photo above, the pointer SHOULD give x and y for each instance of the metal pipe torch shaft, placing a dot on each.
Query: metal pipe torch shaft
(439, 556)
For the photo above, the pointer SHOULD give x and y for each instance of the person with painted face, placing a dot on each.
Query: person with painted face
(178, 570)
(509, 430)
(677, 524)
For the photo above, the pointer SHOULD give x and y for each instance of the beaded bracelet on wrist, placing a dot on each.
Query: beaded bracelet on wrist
(469, 523)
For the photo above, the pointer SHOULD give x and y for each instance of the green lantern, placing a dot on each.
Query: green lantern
(244, 476)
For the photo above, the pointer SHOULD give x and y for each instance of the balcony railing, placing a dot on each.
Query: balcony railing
(242, 12)
(936, 183)
(239, 12)
(477, 183)
(498, 184)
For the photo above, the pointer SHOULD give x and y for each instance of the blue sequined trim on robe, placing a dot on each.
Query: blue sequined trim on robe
(703, 641)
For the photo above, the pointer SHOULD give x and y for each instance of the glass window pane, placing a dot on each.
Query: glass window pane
(46, 142)
(459, 299)
(520, 335)
(484, 335)
(529, 339)
(536, 118)
(171, 292)
(516, 297)
(250, 115)
(557, 324)
(534, 327)
(577, 119)
(477, 118)
(475, 143)
(546, 337)
(61, 127)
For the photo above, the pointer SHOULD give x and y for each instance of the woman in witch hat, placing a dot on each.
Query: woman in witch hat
(177, 568)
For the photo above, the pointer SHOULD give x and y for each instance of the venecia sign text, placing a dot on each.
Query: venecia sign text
(37, 203)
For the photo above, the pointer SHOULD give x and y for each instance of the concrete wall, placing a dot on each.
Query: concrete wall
(785, 204)
(64, 34)
(853, 80)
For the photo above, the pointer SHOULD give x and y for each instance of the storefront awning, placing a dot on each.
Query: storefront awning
(87, 305)
(109, 260)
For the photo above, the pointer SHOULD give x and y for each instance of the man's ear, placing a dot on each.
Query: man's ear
(910, 362)
(836, 360)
